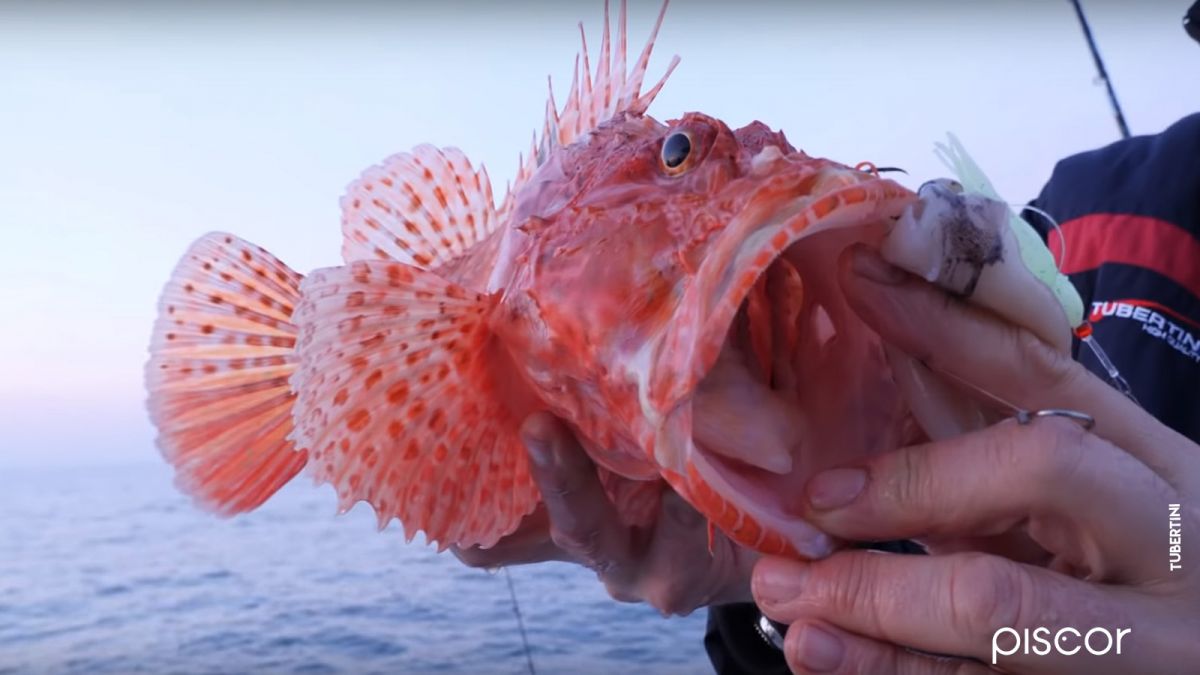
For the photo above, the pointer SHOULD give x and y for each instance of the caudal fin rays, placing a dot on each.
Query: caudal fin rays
(221, 356)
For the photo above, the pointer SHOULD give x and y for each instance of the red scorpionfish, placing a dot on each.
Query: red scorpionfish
(634, 268)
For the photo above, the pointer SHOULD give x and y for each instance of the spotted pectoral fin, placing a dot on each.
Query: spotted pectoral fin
(402, 403)
(425, 208)
(220, 358)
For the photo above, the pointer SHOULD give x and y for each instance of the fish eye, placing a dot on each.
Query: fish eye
(675, 151)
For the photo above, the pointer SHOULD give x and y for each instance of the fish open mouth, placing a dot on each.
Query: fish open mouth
(800, 383)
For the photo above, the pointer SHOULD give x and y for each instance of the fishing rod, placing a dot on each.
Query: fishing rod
(1112, 94)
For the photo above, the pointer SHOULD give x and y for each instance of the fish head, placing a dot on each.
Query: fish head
(616, 226)
(673, 294)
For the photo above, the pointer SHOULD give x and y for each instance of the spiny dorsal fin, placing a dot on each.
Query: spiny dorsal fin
(425, 208)
(596, 99)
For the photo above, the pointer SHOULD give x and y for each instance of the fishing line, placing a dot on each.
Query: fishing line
(512, 593)
(1084, 330)
(1112, 94)
(1062, 239)
(1084, 333)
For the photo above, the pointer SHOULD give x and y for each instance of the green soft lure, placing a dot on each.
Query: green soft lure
(1034, 253)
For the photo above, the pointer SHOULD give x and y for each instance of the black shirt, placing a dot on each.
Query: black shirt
(1130, 218)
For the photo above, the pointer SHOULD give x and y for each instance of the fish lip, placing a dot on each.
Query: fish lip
(804, 537)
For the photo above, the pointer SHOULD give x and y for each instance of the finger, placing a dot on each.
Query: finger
(975, 346)
(530, 543)
(813, 646)
(957, 604)
(1014, 544)
(583, 522)
(1051, 474)
(681, 571)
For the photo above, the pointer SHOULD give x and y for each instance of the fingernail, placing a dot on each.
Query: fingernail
(870, 265)
(777, 581)
(810, 542)
(818, 650)
(539, 450)
(835, 488)
(816, 546)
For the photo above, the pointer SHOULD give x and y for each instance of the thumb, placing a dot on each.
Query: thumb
(583, 522)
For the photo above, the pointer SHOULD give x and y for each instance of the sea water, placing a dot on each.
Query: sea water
(111, 570)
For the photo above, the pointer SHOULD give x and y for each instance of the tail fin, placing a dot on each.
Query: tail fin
(221, 355)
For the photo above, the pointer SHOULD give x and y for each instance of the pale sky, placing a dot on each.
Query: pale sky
(128, 132)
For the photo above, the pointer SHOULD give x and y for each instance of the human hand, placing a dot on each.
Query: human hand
(1096, 503)
(667, 565)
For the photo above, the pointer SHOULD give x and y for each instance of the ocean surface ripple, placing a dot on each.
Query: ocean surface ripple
(111, 570)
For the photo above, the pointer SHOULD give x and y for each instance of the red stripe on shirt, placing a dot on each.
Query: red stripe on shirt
(1151, 243)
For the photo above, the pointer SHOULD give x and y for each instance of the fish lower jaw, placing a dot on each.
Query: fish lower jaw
(800, 385)
(757, 518)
